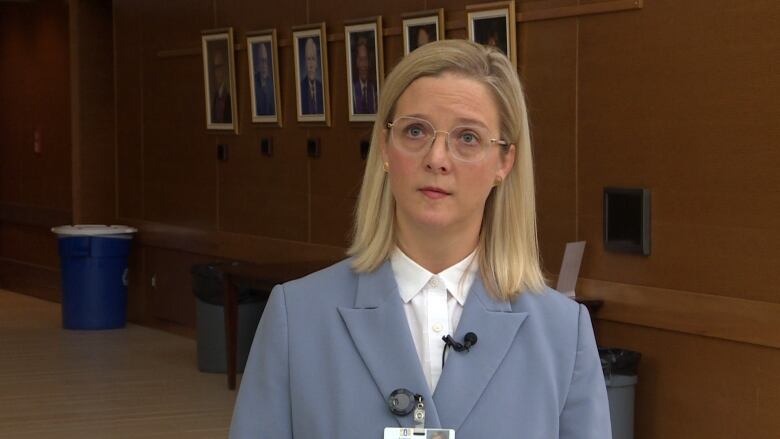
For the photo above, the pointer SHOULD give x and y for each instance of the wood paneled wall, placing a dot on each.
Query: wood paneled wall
(35, 161)
(678, 97)
(700, 387)
(684, 100)
(92, 112)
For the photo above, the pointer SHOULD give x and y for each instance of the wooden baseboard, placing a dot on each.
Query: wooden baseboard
(727, 318)
(34, 280)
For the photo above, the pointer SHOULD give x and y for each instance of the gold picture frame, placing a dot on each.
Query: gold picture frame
(365, 67)
(422, 27)
(219, 79)
(312, 95)
(494, 24)
(264, 88)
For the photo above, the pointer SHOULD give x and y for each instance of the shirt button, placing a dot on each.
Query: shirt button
(434, 282)
(437, 327)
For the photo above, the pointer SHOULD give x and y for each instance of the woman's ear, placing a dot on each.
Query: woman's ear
(383, 147)
(506, 162)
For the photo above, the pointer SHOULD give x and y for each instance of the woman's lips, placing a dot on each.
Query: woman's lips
(434, 192)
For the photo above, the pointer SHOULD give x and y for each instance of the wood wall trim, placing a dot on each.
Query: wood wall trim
(34, 215)
(229, 245)
(580, 10)
(28, 265)
(31, 279)
(727, 318)
(604, 7)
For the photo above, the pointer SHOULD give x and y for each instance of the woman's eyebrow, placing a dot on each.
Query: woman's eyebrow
(470, 121)
(458, 121)
(415, 115)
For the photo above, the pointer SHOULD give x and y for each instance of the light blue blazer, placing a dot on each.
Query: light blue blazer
(332, 346)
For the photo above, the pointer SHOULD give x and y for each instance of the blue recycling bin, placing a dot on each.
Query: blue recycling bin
(94, 275)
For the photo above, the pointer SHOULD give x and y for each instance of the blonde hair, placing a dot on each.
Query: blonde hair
(508, 249)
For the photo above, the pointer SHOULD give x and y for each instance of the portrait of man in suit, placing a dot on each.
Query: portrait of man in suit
(492, 31)
(263, 79)
(422, 28)
(310, 66)
(219, 79)
(364, 92)
(364, 69)
(421, 35)
(221, 101)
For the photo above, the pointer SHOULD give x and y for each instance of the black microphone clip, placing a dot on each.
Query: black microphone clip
(468, 341)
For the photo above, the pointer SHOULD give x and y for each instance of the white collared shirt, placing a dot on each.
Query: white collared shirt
(433, 304)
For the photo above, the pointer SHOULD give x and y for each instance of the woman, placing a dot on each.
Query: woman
(444, 244)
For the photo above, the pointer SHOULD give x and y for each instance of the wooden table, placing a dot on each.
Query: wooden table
(256, 276)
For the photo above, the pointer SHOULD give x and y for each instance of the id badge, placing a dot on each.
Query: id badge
(419, 433)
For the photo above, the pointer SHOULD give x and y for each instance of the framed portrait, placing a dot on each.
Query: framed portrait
(493, 24)
(219, 79)
(311, 73)
(364, 67)
(263, 61)
(422, 27)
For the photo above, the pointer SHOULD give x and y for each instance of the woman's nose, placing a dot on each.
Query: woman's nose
(438, 157)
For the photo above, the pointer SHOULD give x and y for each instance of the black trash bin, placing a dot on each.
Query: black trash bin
(208, 287)
(620, 374)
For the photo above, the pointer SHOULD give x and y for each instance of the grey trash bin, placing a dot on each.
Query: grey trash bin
(207, 285)
(620, 374)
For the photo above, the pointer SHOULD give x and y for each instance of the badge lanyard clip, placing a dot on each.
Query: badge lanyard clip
(419, 415)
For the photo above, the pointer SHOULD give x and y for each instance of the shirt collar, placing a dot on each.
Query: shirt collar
(411, 277)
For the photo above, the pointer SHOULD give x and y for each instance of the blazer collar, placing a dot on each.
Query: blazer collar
(467, 374)
(380, 332)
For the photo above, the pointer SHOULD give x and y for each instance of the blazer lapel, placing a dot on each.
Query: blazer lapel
(466, 375)
(380, 331)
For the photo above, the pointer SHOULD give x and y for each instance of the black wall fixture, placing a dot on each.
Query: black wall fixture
(222, 152)
(313, 148)
(627, 220)
(267, 146)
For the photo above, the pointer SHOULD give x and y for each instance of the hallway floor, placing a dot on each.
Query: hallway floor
(133, 382)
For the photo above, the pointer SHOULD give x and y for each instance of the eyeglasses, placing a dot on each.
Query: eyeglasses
(465, 143)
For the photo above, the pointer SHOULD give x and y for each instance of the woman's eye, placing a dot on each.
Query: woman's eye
(469, 138)
(415, 131)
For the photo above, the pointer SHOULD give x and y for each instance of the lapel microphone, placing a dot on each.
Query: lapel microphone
(469, 340)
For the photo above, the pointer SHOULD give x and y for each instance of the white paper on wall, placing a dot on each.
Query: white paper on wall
(570, 268)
